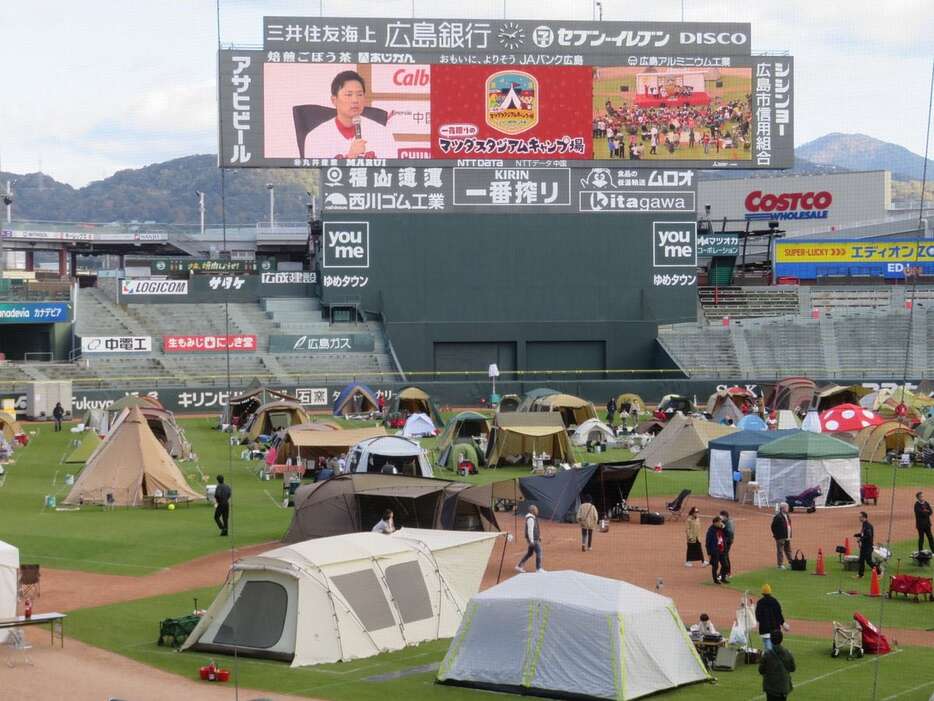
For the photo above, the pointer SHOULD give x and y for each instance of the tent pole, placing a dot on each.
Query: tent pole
(645, 475)
(499, 575)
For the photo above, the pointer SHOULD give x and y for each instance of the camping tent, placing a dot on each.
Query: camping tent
(803, 460)
(791, 393)
(830, 396)
(240, 408)
(628, 400)
(571, 635)
(730, 453)
(304, 443)
(573, 410)
(787, 419)
(752, 422)
(523, 433)
(673, 403)
(352, 503)
(418, 426)
(413, 400)
(130, 465)
(272, 417)
(731, 403)
(875, 441)
(532, 396)
(9, 427)
(558, 496)
(163, 425)
(465, 427)
(346, 597)
(97, 420)
(451, 456)
(9, 572)
(87, 444)
(592, 430)
(132, 400)
(404, 454)
(355, 399)
(683, 443)
(508, 402)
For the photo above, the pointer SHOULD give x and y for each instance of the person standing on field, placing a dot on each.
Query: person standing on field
(587, 517)
(533, 537)
(781, 532)
(776, 667)
(222, 495)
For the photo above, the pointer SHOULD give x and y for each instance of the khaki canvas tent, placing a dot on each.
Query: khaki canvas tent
(509, 402)
(532, 396)
(874, 442)
(9, 574)
(133, 400)
(573, 410)
(791, 393)
(162, 423)
(346, 597)
(682, 444)
(414, 400)
(272, 417)
(240, 408)
(86, 445)
(354, 503)
(832, 395)
(130, 465)
(730, 403)
(9, 427)
(627, 401)
(522, 433)
(571, 635)
(303, 443)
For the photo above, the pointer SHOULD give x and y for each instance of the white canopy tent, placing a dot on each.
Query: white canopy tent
(570, 633)
(788, 466)
(9, 572)
(419, 426)
(345, 597)
(404, 455)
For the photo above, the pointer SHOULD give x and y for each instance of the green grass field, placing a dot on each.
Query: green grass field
(903, 675)
(804, 595)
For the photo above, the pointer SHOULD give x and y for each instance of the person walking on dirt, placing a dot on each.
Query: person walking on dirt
(58, 413)
(776, 667)
(729, 532)
(923, 521)
(769, 615)
(587, 517)
(781, 532)
(866, 538)
(222, 495)
(716, 548)
(533, 536)
(692, 529)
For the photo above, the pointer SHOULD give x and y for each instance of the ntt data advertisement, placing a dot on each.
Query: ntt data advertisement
(586, 97)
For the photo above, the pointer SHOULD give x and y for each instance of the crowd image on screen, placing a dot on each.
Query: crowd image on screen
(635, 132)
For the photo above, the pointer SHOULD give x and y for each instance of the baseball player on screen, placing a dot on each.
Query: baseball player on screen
(350, 134)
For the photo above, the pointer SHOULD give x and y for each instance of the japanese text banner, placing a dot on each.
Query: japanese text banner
(854, 252)
(208, 344)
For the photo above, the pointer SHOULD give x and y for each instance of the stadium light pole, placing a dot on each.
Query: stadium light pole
(272, 204)
(200, 196)
(598, 11)
(8, 201)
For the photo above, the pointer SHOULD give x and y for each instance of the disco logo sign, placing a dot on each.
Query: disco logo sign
(346, 244)
(674, 244)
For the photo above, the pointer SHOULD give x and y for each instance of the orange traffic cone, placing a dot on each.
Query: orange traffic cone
(874, 589)
(846, 547)
(820, 564)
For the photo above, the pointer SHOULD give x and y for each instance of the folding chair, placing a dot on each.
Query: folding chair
(29, 582)
(675, 508)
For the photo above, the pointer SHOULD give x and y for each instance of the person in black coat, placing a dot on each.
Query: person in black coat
(716, 550)
(866, 538)
(58, 413)
(781, 532)
(923, 521)
(610, 410)
(769, 615)
(222, 495)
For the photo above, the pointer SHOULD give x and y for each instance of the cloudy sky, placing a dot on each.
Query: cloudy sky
(96, 86)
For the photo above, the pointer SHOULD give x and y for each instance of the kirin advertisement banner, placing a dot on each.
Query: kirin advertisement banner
(116, 344)
(280, 112)
(209, 344)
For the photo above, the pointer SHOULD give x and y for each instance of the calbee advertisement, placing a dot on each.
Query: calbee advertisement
(154, 287)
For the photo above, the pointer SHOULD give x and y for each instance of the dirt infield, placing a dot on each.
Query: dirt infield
(79, 672)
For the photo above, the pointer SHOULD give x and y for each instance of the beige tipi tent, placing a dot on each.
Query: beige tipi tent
(130, 465)
(682, 444)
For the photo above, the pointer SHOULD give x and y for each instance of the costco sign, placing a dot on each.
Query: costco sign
(787, 205)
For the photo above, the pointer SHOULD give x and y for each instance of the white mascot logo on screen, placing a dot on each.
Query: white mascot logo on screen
(346, 244)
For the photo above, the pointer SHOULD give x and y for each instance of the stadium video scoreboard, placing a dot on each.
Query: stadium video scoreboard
(332, 92)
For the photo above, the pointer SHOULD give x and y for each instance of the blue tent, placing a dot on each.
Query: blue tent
(752, 422)
(725, 454)
(347, 402)
(558, 497)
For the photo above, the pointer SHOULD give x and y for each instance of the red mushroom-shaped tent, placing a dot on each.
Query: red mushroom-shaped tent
(848, 417)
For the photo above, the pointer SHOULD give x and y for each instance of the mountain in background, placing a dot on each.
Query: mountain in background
(861, 152)
(165, 192)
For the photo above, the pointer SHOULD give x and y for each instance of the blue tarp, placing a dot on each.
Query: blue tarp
(752, 422)
(347, 394)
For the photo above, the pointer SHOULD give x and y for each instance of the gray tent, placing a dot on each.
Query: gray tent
(355, 502)
(558, 497)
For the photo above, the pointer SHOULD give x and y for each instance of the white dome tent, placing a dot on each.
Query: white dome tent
(419, 426)
(385, 453)
(571, 634)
